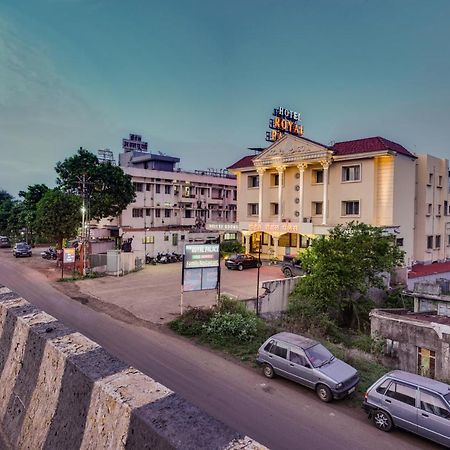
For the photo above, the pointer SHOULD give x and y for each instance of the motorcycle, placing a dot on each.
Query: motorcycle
(150, 260)
(50, 253)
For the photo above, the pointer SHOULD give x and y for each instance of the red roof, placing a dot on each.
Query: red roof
(421, 270)
(246, 161)
(368, 145)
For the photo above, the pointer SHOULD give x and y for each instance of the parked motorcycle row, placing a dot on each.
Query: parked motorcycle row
(163, 258)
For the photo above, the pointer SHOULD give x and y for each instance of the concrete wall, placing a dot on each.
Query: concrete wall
(60, 390)
(411, 334)
(276, 298)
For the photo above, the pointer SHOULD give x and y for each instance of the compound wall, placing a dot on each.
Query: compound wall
(60, 390)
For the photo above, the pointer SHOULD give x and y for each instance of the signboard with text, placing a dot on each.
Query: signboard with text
(284, 121)
(201, 267)
(69, 255)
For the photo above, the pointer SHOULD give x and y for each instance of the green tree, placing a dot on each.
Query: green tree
(108, 189)
(341, 268)
(58, 215)
(6, 205)
(16, 223)
(31, 198)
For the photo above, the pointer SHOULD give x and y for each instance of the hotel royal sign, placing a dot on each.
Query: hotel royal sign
(284, 121)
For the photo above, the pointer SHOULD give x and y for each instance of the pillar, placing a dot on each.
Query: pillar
(325, 165)
(260, 171)
(280, 170)
(301, 192)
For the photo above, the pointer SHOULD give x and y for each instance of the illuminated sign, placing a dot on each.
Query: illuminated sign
(222, 226)
(271, 227)
(201, 255)
(134, 143)
(284, 121)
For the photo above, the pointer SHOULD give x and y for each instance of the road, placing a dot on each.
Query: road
(277, 413)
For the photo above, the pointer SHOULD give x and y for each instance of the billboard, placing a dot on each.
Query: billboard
(201, 255)
(69, 255)
(201, 266)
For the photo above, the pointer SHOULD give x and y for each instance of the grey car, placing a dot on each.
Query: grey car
(309, 363)
(411, 402)
(22, 249)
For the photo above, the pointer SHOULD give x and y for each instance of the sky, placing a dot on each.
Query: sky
(199, 78)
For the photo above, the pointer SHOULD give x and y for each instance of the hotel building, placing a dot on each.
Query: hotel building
(297, 189)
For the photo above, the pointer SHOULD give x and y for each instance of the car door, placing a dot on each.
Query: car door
(299, 367)
(400, 401)
(434, 417)
(277, 358)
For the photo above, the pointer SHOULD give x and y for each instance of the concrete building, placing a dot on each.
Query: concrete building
(432, 210)
(171, 202)
(418, 341)
(297, 189)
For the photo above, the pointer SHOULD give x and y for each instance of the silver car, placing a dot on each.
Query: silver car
(412, 402)
(309, 363)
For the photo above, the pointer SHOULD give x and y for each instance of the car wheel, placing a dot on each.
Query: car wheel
(240, 267)
(258, 265)
(287, 273)
(324, 393)
(268, 371)
(382, 420)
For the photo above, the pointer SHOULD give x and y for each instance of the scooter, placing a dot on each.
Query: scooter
(150, 260)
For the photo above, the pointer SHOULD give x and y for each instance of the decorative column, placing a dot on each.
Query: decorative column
(280, 170)
(325, 165)
(301, 192)
(260, 171)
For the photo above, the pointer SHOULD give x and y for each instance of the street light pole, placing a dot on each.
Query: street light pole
(257, 275)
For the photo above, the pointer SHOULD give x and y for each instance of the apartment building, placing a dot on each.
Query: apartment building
(432, 210)
(171, 202)
(297, 189)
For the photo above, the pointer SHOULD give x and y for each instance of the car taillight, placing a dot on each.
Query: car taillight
(366, 394)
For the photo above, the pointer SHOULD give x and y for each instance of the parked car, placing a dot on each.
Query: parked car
(412, 402)
(4, 242)
(241, 261)
(309, 363)
(291, 267)
(22, 249)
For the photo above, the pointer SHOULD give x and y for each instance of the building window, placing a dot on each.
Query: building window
(351, 173)
(426, 362)
(445, 208)
(253, 181)
(157, 213)
(138, 212)
(274, 179)
(187, 214)
(252, 209)
(182, 237)
(439, 181)
(148, 211)
(317, 176)
(138, 187)
(438, 241)
(430, 179)
(448, 240)
(317, 208)
(148, 186)
(167, 213)
(288, 240)
(429, 242)
(350, 208)
(399, 242)
(439, 210)
(274, 209)
(167, 189)
(157, 188)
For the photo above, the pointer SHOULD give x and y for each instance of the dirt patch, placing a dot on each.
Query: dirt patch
(72, 290)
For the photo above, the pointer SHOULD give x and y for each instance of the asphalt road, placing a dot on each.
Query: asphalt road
(277, 413)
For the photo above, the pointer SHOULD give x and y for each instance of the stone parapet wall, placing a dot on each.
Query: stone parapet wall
(60, 390)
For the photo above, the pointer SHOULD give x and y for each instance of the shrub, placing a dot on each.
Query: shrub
(192, 322)
(235, 326)
(228, 247)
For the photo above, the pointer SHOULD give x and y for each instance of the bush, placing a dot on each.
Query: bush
(228, 247)
(234, 326)
(192, 322)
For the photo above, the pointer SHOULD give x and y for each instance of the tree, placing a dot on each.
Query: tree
(58, 215)
(341, 267)
(31, 198)
(16, 221)
(108, 189)
(6, 204)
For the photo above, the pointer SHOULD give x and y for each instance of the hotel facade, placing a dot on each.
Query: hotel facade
(297, 189)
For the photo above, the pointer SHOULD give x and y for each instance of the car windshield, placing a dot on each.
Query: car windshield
(447, 397)
(318, 355)
(22, 246)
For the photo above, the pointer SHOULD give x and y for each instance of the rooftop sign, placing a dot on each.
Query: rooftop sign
(134, 143)
(284, 121)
